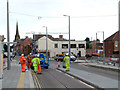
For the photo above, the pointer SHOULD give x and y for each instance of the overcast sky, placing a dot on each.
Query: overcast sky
(87, 17)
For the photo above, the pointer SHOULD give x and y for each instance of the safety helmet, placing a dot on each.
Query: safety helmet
(30, 53)
(22, 54)
(38, 55)
(66, 54)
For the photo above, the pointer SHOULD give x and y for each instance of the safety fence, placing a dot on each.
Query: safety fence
(106, 60)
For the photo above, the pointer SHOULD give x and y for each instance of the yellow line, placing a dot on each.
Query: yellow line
(21, 80)
(36, 81)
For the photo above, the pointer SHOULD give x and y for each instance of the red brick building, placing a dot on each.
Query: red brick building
(24, 46)
(112, 45)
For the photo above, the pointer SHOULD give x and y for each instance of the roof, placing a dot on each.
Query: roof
(113, 37)
(36, 37)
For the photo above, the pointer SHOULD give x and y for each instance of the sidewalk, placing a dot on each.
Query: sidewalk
(14, 78)
(92, 79)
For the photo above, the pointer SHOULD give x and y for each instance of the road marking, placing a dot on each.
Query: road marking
(69, 76)
(59, 71)
(36, 81)
(21, 80)
(86, 84)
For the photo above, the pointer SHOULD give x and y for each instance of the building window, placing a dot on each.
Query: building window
(81, 45)
(73, 45)
(116, 43)
(56, 45)
(64, 45)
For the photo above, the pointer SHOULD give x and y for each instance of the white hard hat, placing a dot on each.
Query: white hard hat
(67, 54)
(38, 55)
(22, 54)
(30, 53)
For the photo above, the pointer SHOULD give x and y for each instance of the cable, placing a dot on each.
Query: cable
(39, 17)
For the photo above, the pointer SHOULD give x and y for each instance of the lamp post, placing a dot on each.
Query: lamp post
(46, 42)
(69, 33)
(103, 46)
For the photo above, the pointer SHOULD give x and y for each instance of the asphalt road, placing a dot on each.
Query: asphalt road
(98, 71)
(51, 78)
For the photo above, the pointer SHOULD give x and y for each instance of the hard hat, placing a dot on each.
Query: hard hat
(30, 53)
(22, 54)
(66, 54)
(38, 55)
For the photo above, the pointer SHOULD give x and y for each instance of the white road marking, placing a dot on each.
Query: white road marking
(70, 76)
(77, 79)
(59, 71)
(86, 84)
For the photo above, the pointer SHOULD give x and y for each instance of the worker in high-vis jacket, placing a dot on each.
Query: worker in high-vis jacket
(67, 62)
(35, 62)
(22, 62)
(29, 58)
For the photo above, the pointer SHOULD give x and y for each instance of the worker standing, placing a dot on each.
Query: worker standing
(22, 62)
(29, 58)
(35, 62)
(67, 62)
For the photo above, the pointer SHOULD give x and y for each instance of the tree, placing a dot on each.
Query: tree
(88, 46)
(87, 39)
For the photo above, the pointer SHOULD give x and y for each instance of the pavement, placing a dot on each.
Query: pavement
(97, 81)
(14, 78)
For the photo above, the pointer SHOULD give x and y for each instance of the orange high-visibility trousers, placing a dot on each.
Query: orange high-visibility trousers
(38, 68)
(23, 67)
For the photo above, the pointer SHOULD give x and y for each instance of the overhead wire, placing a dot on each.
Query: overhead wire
(63, 17)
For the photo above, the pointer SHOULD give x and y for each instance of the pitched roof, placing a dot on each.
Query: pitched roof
(113, 37)
(50, 37)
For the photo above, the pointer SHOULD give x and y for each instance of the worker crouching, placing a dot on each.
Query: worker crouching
(36, 64)
(22, 62)
(67, 62)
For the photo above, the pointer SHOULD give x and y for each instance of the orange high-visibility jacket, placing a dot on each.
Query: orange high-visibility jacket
(22, 59)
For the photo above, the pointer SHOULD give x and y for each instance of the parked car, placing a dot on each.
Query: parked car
(72, 58)
(59, 57)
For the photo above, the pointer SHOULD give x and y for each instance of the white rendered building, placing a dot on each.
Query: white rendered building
(60, 46)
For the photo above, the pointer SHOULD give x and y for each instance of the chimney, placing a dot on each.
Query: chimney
(61, 37)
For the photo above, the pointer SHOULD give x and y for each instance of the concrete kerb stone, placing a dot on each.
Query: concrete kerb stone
(89, 83)
(103, 67)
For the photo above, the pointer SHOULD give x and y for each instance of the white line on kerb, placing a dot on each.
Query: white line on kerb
(86, 84)
(69, 76)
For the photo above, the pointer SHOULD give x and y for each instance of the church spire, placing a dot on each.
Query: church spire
(17, 36)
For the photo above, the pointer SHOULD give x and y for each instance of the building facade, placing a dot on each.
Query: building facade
(112, 45)
(23, 46)
(60, 46)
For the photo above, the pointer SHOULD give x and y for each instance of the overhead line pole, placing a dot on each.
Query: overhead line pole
(8, 38)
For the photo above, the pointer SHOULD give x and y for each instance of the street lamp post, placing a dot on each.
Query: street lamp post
(103, 46)
(69, 33)
(46, 42)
